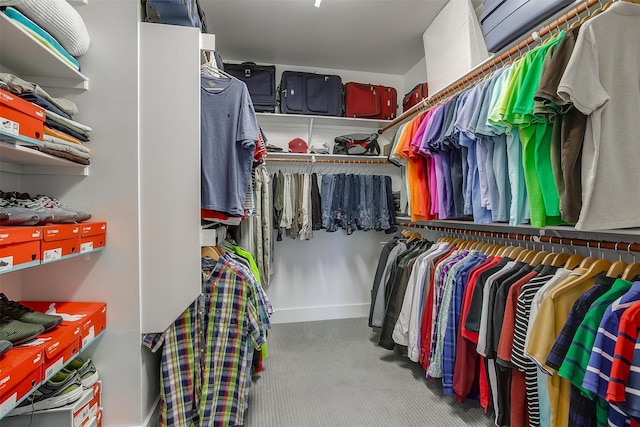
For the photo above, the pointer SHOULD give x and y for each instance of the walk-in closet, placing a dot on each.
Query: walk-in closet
(300, 213)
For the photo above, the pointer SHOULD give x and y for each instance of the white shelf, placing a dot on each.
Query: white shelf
(25, 56)
(19, 158)
(320, 121)
(331, 157)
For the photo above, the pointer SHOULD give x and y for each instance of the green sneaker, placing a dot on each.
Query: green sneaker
(62, 389)
(16, 331)
(24, 314)
(86, 370)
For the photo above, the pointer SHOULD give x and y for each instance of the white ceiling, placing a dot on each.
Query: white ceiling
(383, 36)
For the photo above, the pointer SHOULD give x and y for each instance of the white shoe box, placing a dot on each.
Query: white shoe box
(78, 414)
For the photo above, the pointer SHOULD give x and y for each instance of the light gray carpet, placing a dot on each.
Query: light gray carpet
(333, 373)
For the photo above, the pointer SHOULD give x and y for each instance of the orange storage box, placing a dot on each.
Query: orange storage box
(20, 371)
(90, 317)
(20, 117)
(93, 236)
(19, 247)
(60, 241)
(60, 345)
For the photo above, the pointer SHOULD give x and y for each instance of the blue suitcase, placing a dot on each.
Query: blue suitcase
(261, 82)
(504, 21)
(311, 93)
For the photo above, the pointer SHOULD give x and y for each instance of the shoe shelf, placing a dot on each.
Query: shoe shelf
(25, 56)
(24, 247)
(17, 157)
(6, 410)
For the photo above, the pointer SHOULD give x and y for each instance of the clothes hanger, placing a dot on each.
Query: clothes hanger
(539, 258)
(573, 261)
(414, 236)
(209, 251)
(561, 259)
(618, 267)
(517, 250)
(633, 270)
(528, 256)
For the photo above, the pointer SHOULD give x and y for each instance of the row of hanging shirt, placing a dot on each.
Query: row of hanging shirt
(208, 352)
(544, 339)
(547, 139)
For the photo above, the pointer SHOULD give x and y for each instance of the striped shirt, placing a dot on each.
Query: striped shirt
(623, 353)
(518, 358)
(631, 405)
(596, 378)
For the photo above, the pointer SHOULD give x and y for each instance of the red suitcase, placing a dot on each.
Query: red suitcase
(363, 100)
(416, 95)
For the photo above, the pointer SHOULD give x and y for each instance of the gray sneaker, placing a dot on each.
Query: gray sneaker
(4, 347)
(62, 389)
(82, 216)
(17, 311)
(18, 332)
(86, 370)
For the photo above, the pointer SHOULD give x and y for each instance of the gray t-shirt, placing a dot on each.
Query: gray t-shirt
(229, 133)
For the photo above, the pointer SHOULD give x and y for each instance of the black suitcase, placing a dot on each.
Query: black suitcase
(261, 82)
(311, 93)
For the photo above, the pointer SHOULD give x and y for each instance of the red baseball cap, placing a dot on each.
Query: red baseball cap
(298, 145)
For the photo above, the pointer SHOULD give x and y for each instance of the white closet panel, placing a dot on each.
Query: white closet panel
(169, 172)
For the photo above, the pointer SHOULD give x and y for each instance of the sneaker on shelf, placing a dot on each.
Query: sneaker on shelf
(62, 389)
(17, 215)
(4, 215)
(17, 332)
(86, 370)
(4, 346)
(40, 204)
(82, 216)
(17, 311)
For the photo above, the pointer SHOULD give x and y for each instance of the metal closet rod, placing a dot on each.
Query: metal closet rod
(484, 68)
(534, 238)
(343, 161)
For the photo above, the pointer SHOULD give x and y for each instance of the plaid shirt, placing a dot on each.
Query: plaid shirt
(206, 358)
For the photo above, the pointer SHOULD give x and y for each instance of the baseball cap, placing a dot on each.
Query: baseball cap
(298, 145)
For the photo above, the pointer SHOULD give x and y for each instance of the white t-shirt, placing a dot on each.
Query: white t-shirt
(602, 80)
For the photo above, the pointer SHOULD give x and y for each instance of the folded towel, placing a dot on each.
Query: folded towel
(42, 36)
(59, 19)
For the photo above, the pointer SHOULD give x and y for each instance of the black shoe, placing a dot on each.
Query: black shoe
(17, 311)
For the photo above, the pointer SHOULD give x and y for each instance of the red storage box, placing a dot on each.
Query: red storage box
(93, 235)
(20, 371)
(90, 317)
(60, 241)
(19, 247)
(20, 117)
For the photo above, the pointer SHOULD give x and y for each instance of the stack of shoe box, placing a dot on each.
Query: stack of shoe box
(20, 117)
(26, 246)
(53, 356)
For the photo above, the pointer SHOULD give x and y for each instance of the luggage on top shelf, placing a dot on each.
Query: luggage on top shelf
(261, 82)
(364, 100)
(504, 21)
(186, 13)
(417, 94)
(310, 93)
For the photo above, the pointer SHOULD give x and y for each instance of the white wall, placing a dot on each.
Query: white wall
(416, 75)
(110, 107)
(327, 277)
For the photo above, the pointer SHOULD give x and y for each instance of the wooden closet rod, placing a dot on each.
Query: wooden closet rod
(342, 161)
(534, 238)
(485, 67)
